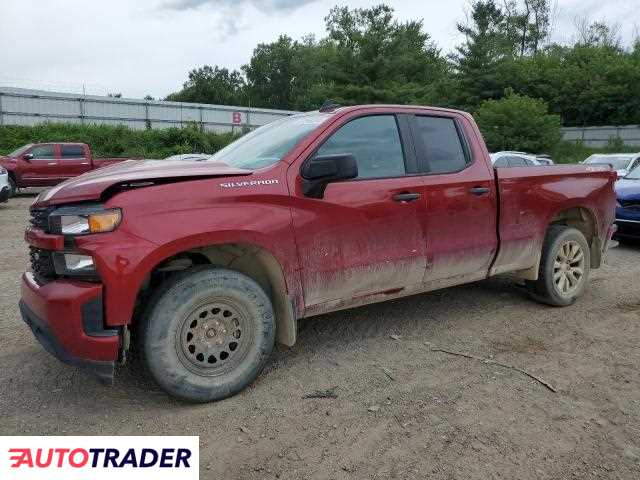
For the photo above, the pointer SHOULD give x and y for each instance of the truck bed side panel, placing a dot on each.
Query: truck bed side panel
(531, 197)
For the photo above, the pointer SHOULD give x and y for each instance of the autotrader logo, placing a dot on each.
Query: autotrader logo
(69, 458)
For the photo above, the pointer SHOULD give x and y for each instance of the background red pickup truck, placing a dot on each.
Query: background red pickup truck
(210, 262)
(46, 164)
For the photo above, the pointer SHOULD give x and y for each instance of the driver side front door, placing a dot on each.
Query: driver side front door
(364, 239)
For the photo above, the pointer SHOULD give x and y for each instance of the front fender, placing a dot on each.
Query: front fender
(160, 222)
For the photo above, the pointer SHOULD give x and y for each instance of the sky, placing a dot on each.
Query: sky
(147, 47)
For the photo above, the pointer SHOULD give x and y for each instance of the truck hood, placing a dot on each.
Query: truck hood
(92, 185)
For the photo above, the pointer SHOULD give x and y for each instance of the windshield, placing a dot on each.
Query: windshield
(19, 151)
(618, 162)
(269, 144)
(634, 175)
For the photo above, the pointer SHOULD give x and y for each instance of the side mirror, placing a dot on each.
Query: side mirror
(27, 157)
(319, 171)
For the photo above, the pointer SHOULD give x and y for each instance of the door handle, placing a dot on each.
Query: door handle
(479, 190)
(406, 197)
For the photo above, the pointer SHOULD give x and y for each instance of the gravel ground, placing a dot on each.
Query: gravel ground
(402, 409)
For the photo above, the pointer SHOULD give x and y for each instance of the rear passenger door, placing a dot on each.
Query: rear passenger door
(460, 199)
(74, 161)
(365, 237)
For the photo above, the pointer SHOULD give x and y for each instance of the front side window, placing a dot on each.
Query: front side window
(72, 151)
(440, 143)
(44, 152)
(375, 143)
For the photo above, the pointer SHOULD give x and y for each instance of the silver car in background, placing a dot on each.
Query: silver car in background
(514, 159)
(622, 163)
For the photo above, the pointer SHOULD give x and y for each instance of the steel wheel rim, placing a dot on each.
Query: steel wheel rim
(214, 338)
(568, 268)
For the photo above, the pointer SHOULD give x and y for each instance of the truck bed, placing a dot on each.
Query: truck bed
(530, 198)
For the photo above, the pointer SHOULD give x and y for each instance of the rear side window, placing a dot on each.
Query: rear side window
(72, 151)
(375, 143)
(44, 152)
(439, 141)
(501, 162)
(517, 162)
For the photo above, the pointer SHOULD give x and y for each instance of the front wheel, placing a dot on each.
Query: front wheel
(564, 267)
(208, 334)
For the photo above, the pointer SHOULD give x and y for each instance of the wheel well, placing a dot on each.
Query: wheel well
(583, 220)
(252, 260)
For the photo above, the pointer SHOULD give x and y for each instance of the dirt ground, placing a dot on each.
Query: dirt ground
(402, 410)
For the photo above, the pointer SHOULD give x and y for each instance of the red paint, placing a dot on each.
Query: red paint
(59, 303)
(354, 246)
(51, 171)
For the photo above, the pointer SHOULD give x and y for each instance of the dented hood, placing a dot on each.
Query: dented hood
(91, 185)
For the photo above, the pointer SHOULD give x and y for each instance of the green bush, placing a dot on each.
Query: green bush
(518, 123)
(107, 141)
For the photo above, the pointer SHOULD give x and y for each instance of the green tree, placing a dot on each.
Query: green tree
(212, 85)
(518, 123)
(477, 61)
(585, 84)
(283, 74)
(378, 59)
(526, 24)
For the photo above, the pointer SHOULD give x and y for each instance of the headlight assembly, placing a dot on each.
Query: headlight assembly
(84, 220)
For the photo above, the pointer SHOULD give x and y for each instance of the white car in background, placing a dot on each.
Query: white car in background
(622, 163)
(514, 159)
(544, 160)
(4, 185)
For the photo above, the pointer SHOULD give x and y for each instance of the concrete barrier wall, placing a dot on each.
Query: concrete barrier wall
(600, 136)
(30, 107)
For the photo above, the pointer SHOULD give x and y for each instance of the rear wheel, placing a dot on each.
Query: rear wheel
(208, 334)
(564, 267)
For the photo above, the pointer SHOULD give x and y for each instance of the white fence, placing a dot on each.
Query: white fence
(600, 136)
(30, 107)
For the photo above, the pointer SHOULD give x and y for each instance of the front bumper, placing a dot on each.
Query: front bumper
(66, 318)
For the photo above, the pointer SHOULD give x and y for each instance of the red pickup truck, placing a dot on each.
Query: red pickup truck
(210, 263)
(46, 164)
